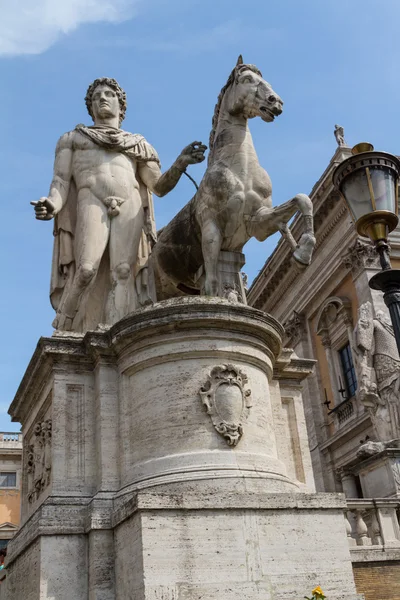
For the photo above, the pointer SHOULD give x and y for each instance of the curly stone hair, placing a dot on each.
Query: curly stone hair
(113, 84)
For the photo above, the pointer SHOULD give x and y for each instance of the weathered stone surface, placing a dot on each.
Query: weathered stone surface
(234, 199)
(378, 368)
(380, 473)
(100, 198)
(146, 498)
(235, 548)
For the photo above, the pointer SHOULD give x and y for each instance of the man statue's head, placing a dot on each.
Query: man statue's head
(105, 98)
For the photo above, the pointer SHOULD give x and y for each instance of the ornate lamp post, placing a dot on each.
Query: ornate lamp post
(368, 182)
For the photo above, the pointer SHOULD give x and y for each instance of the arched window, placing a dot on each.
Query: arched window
(335, 327)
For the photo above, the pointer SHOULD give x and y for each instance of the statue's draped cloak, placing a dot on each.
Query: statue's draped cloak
(375, 338)
(63, 263)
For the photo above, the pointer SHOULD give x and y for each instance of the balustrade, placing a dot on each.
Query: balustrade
(344, 411)
(6, 436)
(373, 522)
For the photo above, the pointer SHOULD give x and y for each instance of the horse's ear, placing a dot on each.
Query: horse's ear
(239, 60)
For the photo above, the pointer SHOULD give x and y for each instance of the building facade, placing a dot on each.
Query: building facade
(352, 399)
(10, 485)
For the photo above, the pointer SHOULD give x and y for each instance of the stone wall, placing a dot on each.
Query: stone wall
(22, 586)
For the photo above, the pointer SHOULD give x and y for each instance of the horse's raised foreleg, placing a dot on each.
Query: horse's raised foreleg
(211, 241)
(267, 221)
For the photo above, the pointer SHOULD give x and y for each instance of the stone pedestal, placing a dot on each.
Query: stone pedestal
(380, 474)
(167, 459)
(230, 277)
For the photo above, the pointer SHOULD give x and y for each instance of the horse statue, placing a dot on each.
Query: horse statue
(233, 202)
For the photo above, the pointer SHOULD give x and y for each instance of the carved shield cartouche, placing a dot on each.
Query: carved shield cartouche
(227, 401)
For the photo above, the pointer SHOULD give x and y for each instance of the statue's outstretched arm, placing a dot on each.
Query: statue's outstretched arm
(161, 184)
(49, 206)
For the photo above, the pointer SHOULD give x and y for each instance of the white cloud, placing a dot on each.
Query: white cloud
(32, 26)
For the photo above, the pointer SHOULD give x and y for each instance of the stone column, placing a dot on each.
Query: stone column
(194, 384)
(349, 484)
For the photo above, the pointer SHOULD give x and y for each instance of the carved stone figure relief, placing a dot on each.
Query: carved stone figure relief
(361, 255)
(295, 328)
(38, 460)
(232, 293)
(227, 401)
(378, 371)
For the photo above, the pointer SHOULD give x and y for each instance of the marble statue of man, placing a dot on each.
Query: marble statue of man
(100, 199)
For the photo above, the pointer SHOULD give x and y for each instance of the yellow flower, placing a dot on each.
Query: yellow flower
(318, 593)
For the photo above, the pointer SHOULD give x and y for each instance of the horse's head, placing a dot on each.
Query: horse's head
(251, 95)
(245, 93)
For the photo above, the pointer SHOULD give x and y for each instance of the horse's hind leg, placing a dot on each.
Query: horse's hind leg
(211, 240)
(268, 220)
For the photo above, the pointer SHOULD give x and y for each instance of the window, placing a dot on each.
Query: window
(346, 360)
(8, 480)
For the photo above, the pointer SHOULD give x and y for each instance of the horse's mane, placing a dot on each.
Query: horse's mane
(231, 79)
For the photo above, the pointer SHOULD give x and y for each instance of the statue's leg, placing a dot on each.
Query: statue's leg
(91, 236)
(267, 221)
(125, 237)
(307, 241)
(211, 240)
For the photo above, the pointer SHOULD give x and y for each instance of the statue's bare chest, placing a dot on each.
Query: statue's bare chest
(88, 155)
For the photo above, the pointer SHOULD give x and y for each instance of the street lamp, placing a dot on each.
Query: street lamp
(368, 182)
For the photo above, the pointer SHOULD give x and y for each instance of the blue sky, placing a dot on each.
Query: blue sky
(331, 61)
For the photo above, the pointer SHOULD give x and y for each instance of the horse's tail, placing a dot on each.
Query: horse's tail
(177, 252)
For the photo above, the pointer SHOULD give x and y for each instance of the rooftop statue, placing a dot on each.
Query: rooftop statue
(339, 135)
(234, 199)
(100, 199)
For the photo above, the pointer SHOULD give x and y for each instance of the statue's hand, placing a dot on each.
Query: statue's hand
(191, 155)
(44, 209)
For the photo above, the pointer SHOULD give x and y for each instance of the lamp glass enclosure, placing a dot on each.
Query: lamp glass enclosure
(368, 182)
(370, 189)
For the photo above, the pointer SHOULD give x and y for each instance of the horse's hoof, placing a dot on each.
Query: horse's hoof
(303, 253)
(303, 258)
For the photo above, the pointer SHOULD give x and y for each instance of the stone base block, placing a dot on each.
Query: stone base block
(230, 277)
(179, 545)
(269, 547)
(167, 459)
(380, 474)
